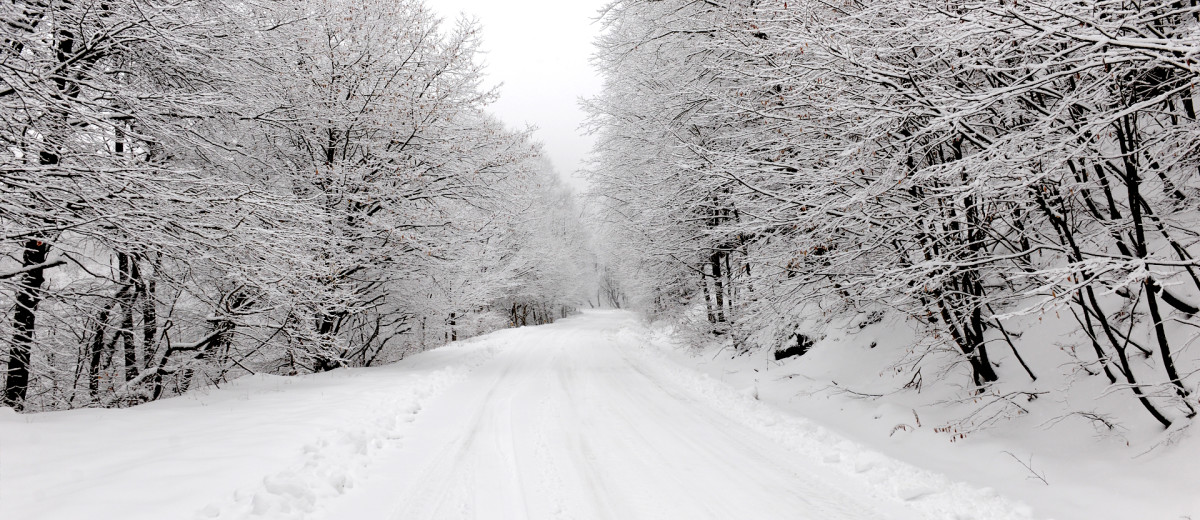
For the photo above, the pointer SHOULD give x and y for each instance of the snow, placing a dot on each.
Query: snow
(270, 446)
(1076, 469)
(597, 416)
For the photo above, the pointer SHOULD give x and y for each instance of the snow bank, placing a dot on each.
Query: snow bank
(1062, 464)
(262, 446)
(932, 494)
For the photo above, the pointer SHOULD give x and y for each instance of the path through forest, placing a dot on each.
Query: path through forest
(576, 421)
(581, 419)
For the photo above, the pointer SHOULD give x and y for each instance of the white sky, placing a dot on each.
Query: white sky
(538, 50)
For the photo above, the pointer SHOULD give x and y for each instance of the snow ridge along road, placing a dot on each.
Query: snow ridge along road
(583, 419)
(259, 447)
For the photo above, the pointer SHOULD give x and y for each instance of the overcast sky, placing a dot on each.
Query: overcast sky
(539, 50)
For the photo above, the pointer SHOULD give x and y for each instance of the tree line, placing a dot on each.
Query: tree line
(193, 190)
(968, 165)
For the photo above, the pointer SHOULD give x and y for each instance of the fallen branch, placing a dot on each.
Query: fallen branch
(1029, 466)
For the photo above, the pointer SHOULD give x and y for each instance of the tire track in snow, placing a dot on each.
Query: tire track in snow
(447, 473)
(606, 504)
(582, 423)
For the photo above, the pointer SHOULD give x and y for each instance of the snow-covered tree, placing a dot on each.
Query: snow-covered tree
(194, 191)
(965, 165)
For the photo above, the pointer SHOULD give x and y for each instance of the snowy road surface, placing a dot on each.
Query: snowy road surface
(568, 425)
(576, 420)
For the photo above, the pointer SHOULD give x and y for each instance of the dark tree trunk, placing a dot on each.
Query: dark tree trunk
(29, 296)
(128, 269)
(148, 289)
(708, 306)
(719, 288)
(96, 350)
(1127, 139)
(36, 250)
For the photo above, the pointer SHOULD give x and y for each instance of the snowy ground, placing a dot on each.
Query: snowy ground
(1042, 452)
(582, 419)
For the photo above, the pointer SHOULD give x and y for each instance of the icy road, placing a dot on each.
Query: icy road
(577, 420)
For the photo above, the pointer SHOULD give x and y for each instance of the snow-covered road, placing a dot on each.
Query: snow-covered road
(570, 425)
(581, 419)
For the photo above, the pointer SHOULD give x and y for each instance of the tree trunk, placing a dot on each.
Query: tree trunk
(708, 306)
(96, 349)
(718, 288)
(148, 289)
(128, 269)
(29, 296)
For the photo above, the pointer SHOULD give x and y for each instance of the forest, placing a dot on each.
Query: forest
(195, 191)
(191, 191)
(827, 260)
(976, 169)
